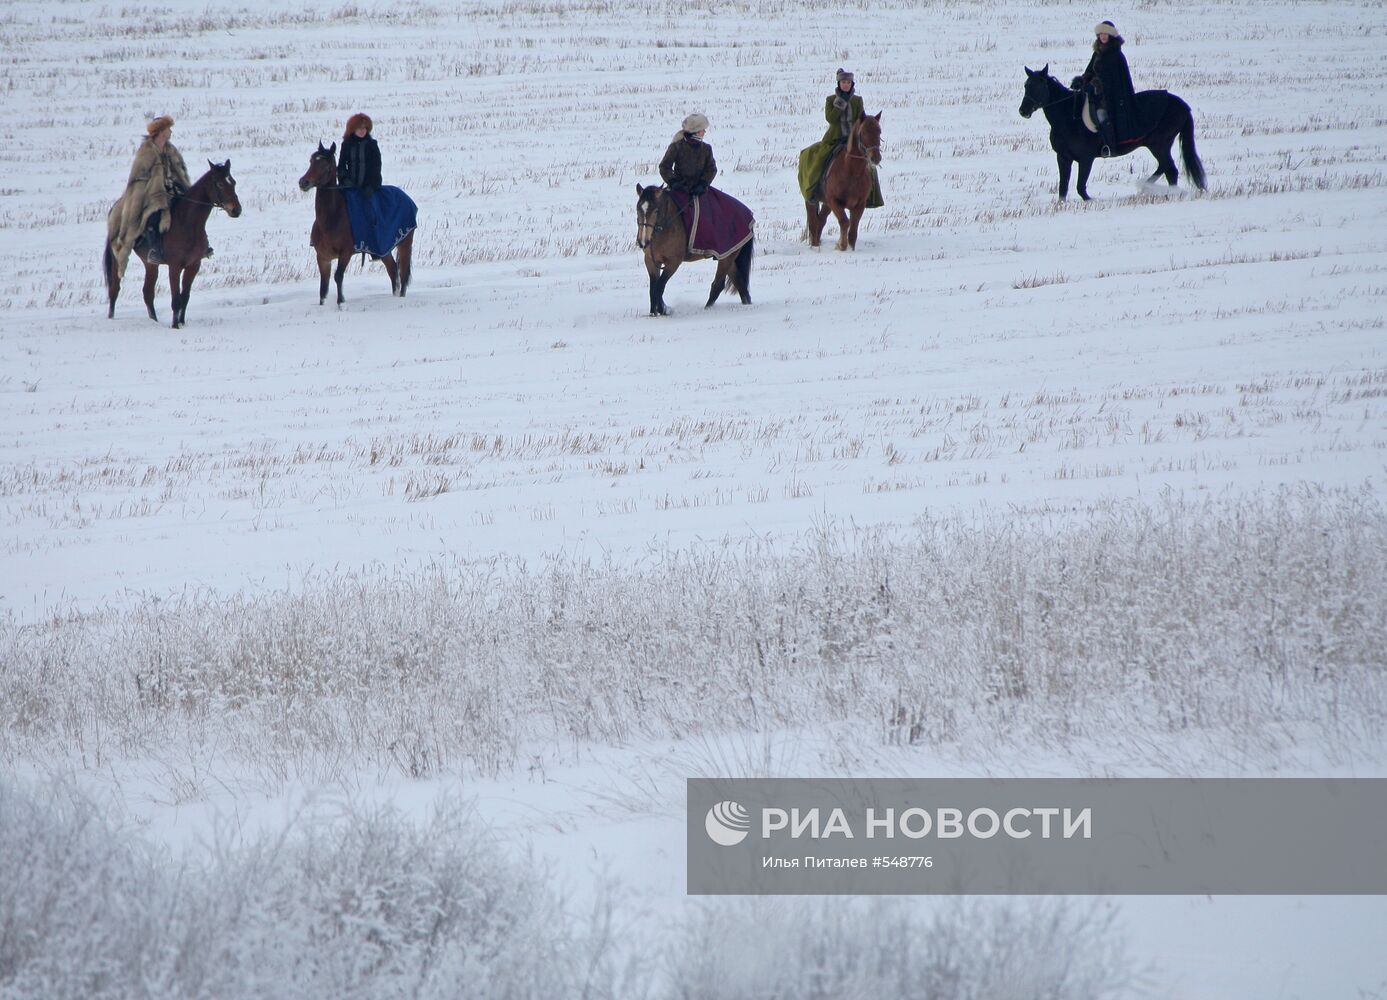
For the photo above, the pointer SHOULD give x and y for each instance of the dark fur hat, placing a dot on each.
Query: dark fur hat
(357, 121)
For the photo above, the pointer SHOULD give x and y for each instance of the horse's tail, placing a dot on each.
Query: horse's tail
(1194, 169)
(743, 269)
(108, 265)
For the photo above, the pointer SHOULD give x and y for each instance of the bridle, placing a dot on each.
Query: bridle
(855, 138)
(1036, 105)
(217, 183)
(661, 222)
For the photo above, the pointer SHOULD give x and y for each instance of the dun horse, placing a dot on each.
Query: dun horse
(332, 229)
(1072, 142)
(660, 232)
(185, 243)
(848, 184)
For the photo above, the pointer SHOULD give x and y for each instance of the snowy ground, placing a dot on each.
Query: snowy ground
(988, 358)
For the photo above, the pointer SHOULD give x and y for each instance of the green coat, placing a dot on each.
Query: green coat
(813, 160)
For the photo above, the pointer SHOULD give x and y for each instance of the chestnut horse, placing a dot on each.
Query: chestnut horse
(185, 243)
(661, 234)
(332, 229)
(848, 184)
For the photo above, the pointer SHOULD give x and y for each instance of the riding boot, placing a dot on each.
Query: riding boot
(1109, 139)
(153, 240)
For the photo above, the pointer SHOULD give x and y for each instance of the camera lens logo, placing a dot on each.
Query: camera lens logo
(727, 823)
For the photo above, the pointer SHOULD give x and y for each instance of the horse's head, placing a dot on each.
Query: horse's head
(322, 168)
(1037, 93)
(869, 136)
(649, 205)
(222, 188)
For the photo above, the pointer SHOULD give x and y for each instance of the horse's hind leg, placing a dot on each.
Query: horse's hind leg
(151, 280)
(1165, 163)
(391, 269)
(342, 263)
(405, 253)
(720, 281)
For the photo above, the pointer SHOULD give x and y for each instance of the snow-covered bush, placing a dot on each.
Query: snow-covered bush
(1250, 623)
(368, 906)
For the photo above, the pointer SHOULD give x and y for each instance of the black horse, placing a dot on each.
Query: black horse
(1071, 141)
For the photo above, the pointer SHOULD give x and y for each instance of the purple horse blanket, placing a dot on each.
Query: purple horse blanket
(718, 224)
(381, 220)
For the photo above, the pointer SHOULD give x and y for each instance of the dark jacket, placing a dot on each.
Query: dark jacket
(359, 166)
(688, 165)
(1111, 82)
(842, 112)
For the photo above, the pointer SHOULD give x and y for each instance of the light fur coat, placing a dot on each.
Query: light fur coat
(155, 176)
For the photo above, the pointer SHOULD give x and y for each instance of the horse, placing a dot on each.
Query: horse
(332, 229)
(1072, 142)
(848, 184)
(661, 233)
(185, 243)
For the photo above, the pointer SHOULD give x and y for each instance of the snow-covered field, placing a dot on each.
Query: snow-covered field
(313, 621)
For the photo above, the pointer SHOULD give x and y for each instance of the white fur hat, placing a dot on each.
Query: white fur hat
(695, 122)
(1105, 28)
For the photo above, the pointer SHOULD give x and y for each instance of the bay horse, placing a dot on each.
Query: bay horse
(332, 229)
(185, 243)
(661, 233)
(1072, 142)
(848, 184)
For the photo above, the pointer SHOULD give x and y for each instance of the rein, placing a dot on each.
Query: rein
(662, 221)
(856, 139)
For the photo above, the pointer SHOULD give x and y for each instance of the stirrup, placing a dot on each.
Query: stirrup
(1105, 152)
(207, 254)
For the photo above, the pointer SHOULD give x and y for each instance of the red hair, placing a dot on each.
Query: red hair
(355, 122)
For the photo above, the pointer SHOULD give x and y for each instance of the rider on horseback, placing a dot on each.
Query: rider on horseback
(842, 109)
(688, 165)
(359, 165)
(1108, 83)
(157, 176)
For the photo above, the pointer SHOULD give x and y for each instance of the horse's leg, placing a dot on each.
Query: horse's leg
(173, 293)
(840, 213)
(814, 223)
(1082, 185)
(667, 268)
(1166, 164)
(742, 270)
(324, 275)
(857, 211)
(151, 281)
(186, 289)
(342, 263)
(391, 269)
(720, 280)
(405, 252)
(1066, 162)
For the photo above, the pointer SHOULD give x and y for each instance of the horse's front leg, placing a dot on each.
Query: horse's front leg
(174, 293)
(856, 211)
(1082, 185)
(324, 276)
(1066, 163)
(185, 292)
(840, 213)
(342, 263)
(151, 282)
